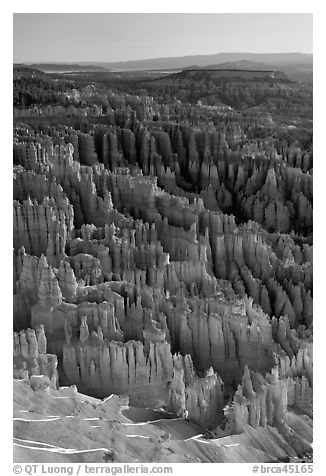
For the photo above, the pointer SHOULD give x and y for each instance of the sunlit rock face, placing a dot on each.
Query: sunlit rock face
(31, 358)
(163, 249)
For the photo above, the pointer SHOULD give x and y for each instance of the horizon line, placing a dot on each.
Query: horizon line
(157, 57)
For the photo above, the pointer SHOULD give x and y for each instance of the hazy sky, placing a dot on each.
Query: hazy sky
(125, 36)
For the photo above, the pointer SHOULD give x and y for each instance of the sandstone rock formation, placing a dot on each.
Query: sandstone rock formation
(163, 249)
(31, 358)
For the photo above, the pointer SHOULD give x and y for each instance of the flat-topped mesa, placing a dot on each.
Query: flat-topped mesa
(31, 358)
(199, 400)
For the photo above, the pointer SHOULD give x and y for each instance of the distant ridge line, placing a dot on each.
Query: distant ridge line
(179, 73)
(235, 70)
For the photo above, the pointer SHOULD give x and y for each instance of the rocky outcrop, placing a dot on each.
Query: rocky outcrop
(165, 248)
(148, 374)
(258, 401)
(27, 276)
(31, 358)
(200, 400)
(42, 228)
(100, 368)
(86, 149)
(247, 259)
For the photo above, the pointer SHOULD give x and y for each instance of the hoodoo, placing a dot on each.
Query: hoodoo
(162, 258)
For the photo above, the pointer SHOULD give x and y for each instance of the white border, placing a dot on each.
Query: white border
(168, 6)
